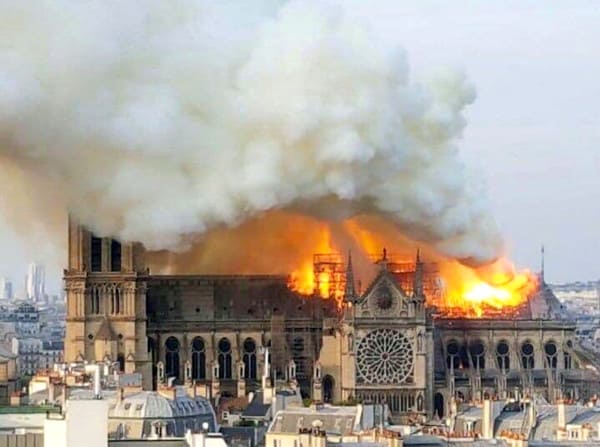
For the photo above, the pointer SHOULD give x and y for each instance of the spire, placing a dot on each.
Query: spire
(349, 291)
(383, 261)
(418, 281)
(542, 269)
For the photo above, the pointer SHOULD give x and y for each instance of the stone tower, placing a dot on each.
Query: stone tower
(106, 302)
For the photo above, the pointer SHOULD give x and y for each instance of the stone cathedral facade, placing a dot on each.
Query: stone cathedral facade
(383, 345)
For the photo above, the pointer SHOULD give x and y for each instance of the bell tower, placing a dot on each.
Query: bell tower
(105, 283)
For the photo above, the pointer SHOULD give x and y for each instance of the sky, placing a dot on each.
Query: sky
(534, 129)
(533, 132)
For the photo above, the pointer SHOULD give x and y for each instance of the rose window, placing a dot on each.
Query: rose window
(384, 356)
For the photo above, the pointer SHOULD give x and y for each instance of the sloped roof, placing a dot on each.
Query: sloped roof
(105, 331)
(544, 305)
(151, 405)
(547, 419)
(334, 420)
(256, 408)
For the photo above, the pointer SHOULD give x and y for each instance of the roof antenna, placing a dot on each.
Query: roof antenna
(542, 270)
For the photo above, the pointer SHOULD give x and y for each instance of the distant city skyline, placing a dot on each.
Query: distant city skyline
(533, 131)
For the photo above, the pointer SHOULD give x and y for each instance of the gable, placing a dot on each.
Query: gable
(105, 331)
(384, 298)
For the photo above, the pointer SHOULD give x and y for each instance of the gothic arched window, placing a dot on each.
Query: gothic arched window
(115, 300)
(568, 358)
(551, 352)
(503, 355)
(477, 353)
(249, 359)
(95, 300)
(527, 356)
(96, 254)
(224, 359)
(298, 355)
(452, 361)
(198, 359)
(172, 357)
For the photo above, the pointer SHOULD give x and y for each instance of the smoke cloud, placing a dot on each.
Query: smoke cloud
(158, 121)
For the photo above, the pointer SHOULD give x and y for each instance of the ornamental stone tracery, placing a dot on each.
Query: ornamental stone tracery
(384, 356)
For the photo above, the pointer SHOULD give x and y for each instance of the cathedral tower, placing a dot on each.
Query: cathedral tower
(106, 302)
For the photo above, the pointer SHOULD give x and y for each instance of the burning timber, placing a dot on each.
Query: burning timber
(390, 342)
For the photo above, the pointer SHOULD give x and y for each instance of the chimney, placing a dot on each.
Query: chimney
(51, 392)
(97, 384)
(487, 424)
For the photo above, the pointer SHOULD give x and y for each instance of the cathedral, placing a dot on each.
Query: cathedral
(224, 333)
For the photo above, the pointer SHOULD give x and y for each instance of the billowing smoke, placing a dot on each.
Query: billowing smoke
(157, 120)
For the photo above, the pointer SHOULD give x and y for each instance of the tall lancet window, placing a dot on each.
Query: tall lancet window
(250, 359)
(115, 256)
(224, 359)
(172, 357)
(198, 359)
(96, 254)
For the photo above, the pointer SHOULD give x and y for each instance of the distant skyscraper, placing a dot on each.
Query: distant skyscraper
(6, 289)
(36, 282)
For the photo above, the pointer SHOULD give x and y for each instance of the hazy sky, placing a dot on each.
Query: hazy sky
(534, 130)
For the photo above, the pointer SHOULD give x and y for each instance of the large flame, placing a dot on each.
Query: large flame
(465, 292)
(477, 292)
(305, 279)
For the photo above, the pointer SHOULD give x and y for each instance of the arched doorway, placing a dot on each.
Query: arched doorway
(438, 405)
(328, 386)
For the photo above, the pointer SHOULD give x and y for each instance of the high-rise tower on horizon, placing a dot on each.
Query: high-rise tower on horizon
(35, 283)
(6, 289)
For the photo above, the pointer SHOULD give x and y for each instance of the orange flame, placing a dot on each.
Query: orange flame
(463, 291)
(474, 292)
(303, 279)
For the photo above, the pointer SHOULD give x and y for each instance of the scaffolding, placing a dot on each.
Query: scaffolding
(404, 272)
(330, 275)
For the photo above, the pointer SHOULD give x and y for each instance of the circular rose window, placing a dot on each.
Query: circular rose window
(384, 356)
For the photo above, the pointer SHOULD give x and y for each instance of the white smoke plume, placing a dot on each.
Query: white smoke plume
(158, 119)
